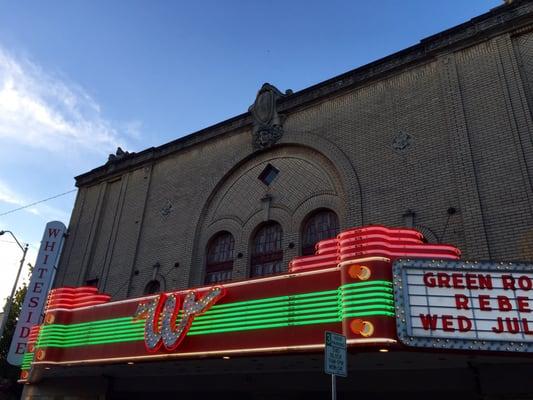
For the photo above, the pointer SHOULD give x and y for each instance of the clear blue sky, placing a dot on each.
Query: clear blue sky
(78, 78)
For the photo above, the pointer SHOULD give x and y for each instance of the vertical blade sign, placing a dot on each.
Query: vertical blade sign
(40, 283)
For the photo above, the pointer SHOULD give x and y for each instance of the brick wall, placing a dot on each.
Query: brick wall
(452, 131)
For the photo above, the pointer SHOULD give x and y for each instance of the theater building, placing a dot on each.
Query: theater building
(267, 211)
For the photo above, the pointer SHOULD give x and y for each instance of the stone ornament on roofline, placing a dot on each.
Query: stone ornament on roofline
(119, 155)
(268, 124)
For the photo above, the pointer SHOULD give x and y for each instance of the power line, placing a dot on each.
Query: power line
(12, 241)
(37, 202)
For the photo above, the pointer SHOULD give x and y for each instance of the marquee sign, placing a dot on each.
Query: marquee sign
(345, 287)
(284, 313)
(163, 312)
(464, 305)
(40, 282)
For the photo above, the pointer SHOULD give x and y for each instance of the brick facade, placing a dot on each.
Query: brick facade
(444, 125)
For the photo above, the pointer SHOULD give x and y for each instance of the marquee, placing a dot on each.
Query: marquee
(345, 287)
(465, 305)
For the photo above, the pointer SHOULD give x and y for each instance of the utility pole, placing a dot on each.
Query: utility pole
(10, 300)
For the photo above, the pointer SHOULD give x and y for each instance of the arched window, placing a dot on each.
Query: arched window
(320, 225)
(152, 287)
(219, 263)
(267, 254)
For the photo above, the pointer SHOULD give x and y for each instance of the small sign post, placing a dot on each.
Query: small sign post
(335, 359)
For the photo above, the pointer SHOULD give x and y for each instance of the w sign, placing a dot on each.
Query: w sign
(40, 282)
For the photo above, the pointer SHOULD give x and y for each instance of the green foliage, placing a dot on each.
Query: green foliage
(8, 373)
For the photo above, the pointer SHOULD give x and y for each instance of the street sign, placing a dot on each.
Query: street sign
(335, 357)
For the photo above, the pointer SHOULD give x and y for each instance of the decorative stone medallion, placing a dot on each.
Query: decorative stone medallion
(166, 209)
(402, 142)
(268, 124)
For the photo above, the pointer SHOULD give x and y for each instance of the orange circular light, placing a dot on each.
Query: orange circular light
(50, 318)
(356, 326)
(31, 348)
(361, 272)
(40, 354)
(363, 328)
(24, 375)
(368, 329)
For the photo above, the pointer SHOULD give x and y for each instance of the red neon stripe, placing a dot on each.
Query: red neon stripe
(307, 267)
(380, 229)
(79, 299)
(424, 248)
(402, 248)
(394, 255)
(358, 240)
(70, 298)
(324, 260)
(71, 306)
(372, 241)
(74, 290)
(327, 246)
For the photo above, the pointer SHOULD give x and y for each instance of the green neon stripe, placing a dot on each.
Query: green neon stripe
(246, 311)
(273, 299)
(287, 313)
(263, 326)
(369, 309)
(252, 316)
(266, 326)
(63, 330)
(272, 323)
(266, 305)
(273, 317)
(249, 323)
(86, 329)
(90, 336)
(26, 361)
(364, 292)
(90, 323)
(366, 298)
(369, 314)
(367, 283)
(139, 333)
(62, 344)
(350, 300)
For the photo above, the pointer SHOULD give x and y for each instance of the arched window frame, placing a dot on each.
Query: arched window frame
(308, 243)
(219, 258)
(266, 250)
(152, 287)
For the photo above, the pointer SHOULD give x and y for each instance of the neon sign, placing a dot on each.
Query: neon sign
(346, 287)
(162, 313)
(40, 282)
